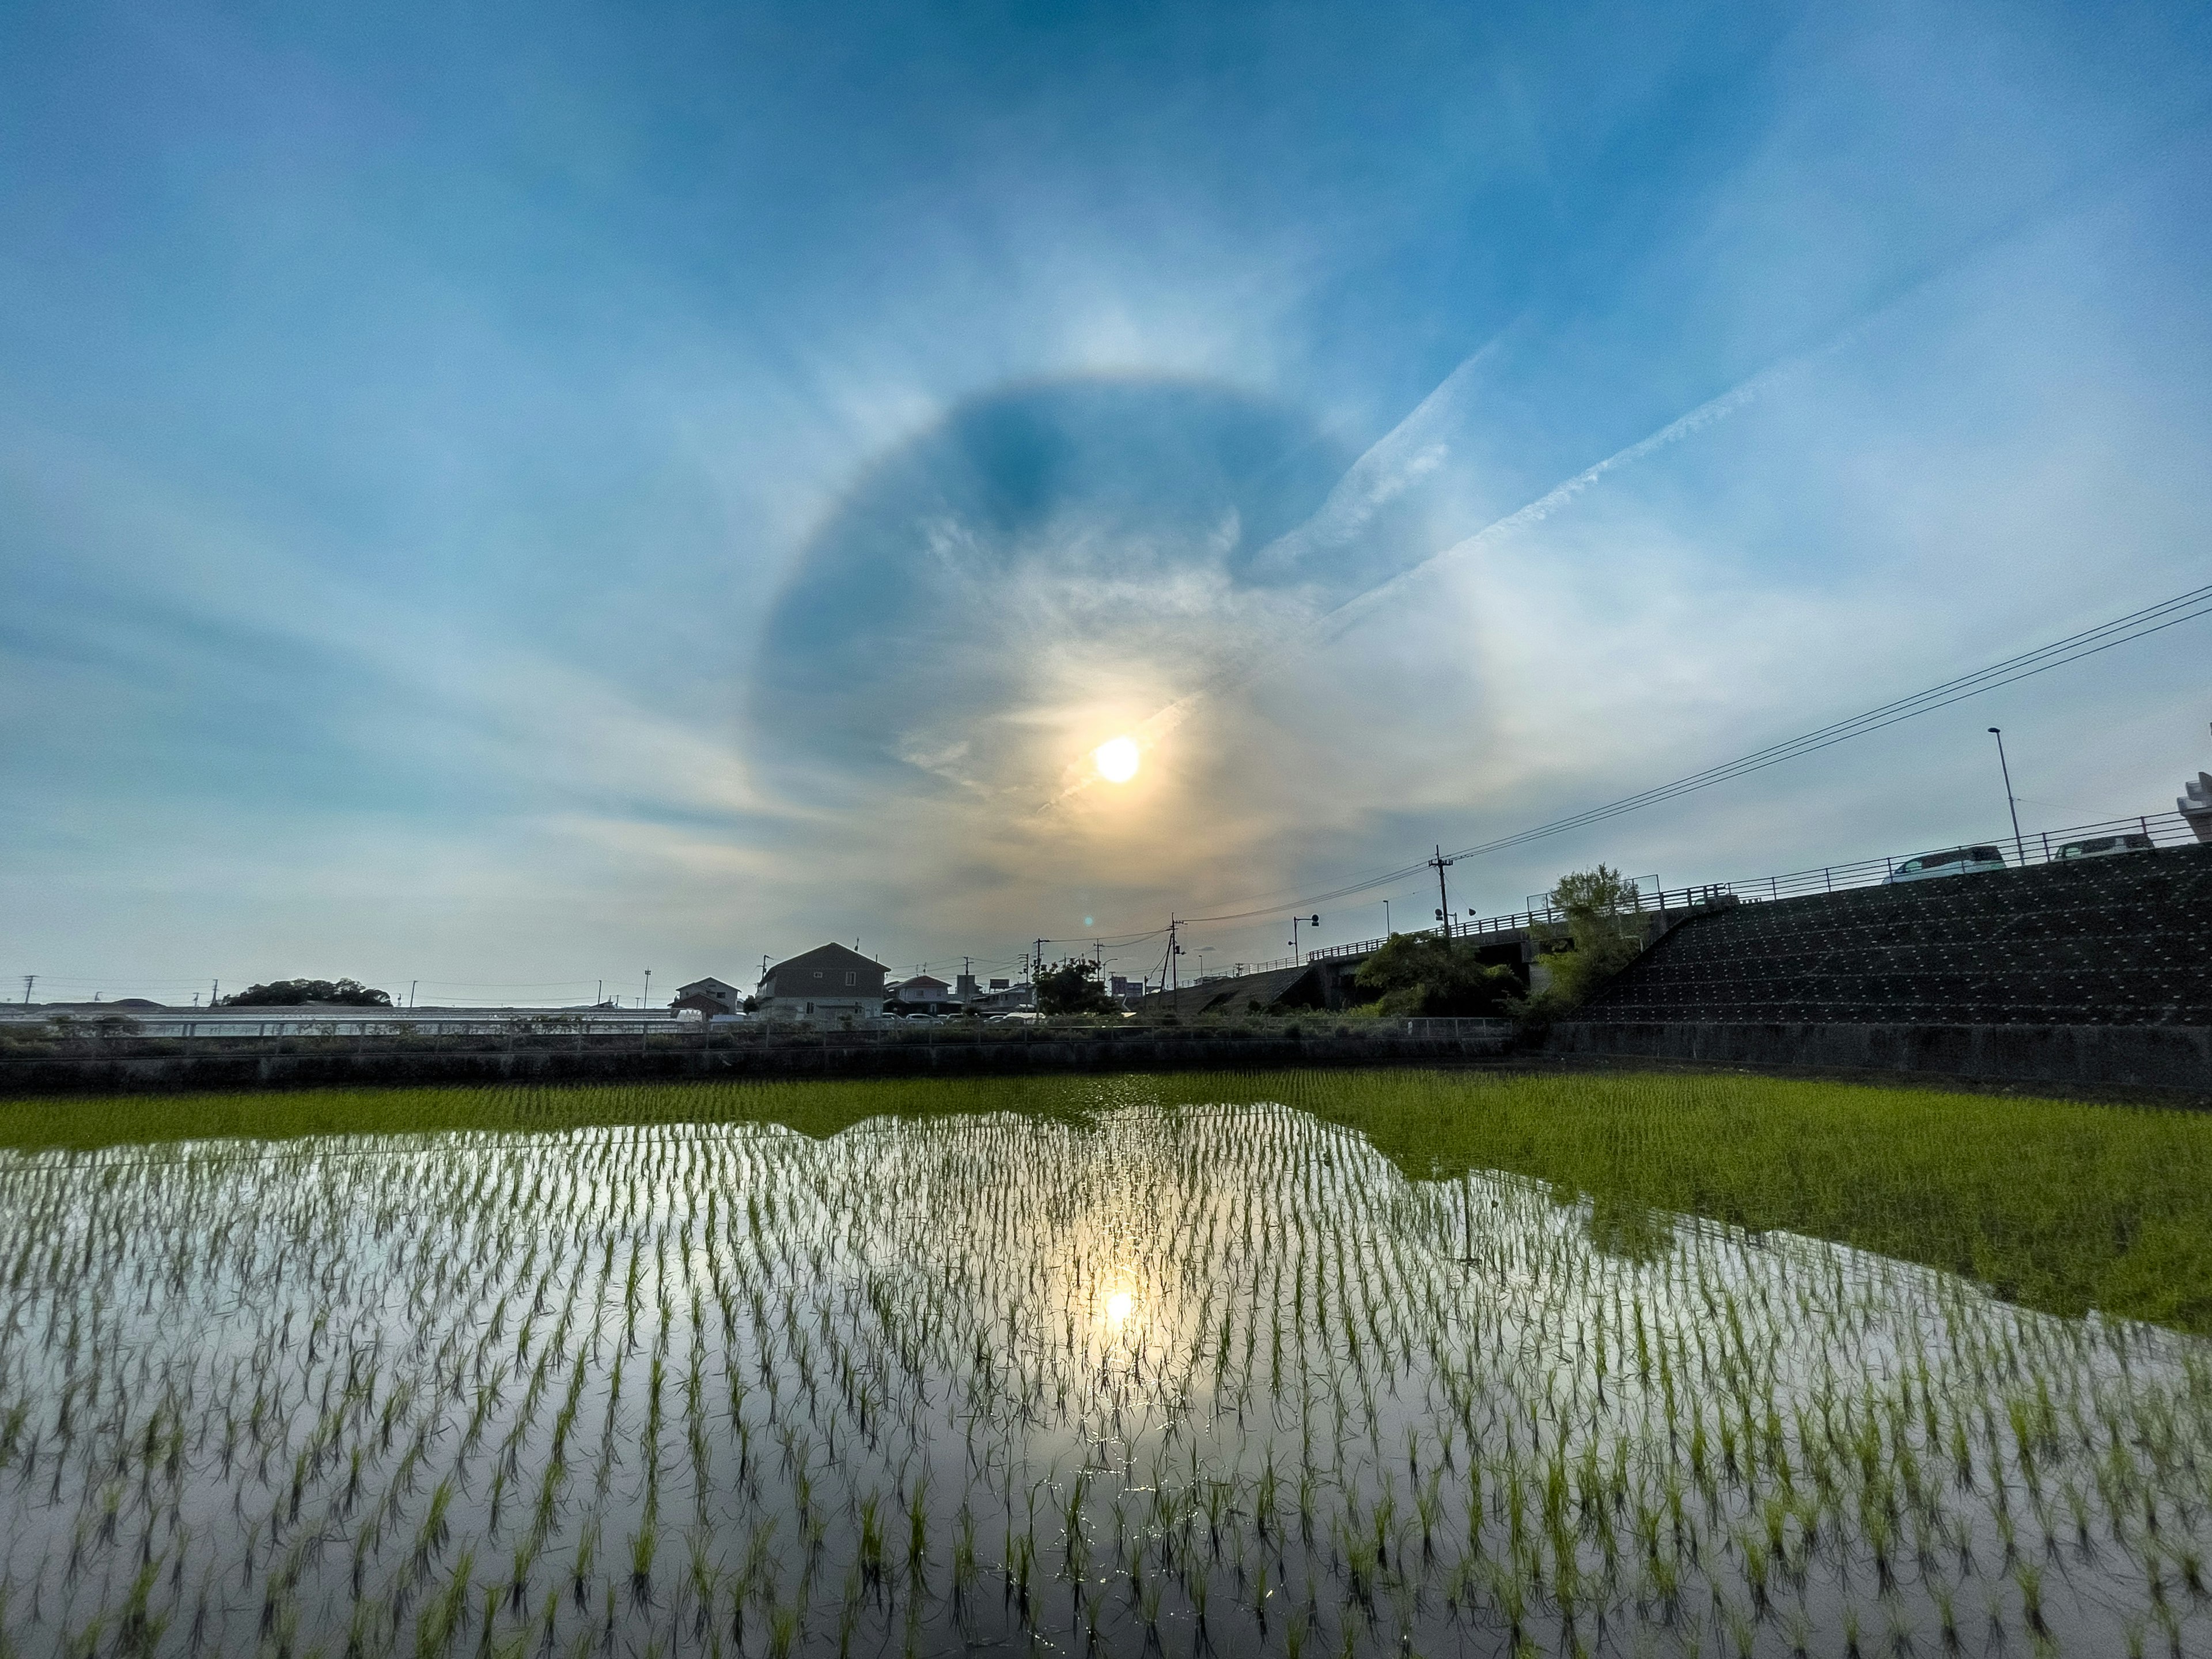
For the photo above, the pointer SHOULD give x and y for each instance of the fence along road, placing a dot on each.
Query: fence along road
(2025, 851)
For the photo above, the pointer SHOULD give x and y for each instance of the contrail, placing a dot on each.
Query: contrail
(1336, 622)
(1252, 663)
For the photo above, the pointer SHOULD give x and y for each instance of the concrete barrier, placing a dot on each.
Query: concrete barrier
(365, 1064)
(2147, 1057)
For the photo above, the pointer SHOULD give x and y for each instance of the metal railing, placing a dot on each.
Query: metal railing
(1451, 1026)
(2157, 829)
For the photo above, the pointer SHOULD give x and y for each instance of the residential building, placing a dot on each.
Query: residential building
(923, 994)
(709, 997)
(828, 983)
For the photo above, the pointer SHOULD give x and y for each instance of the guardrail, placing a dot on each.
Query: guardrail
(2032, 848)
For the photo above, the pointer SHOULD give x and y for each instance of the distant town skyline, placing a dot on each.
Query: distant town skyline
(492, 499)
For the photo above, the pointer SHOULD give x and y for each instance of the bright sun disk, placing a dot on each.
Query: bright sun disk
(1116, 760)
(1118, 1306)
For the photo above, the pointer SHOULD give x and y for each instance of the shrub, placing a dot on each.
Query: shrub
(1421, 974)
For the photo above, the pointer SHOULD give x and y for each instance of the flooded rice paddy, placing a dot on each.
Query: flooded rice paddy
(1204, 1378)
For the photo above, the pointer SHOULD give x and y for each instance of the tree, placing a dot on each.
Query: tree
(1420, 974)
(293, 993)
(1603, 935)
(1072, 988)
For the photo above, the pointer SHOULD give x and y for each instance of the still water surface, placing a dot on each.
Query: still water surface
(1207, 1379)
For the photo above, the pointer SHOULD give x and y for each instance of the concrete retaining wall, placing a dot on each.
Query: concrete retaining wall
(2151, 1056)
(357, 1065)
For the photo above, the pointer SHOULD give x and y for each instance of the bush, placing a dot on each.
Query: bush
(1072, 988)
(1426, 974)
(296, 993)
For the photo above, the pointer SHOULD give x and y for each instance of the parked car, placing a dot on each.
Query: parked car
(1958, 861)
(2104, 847)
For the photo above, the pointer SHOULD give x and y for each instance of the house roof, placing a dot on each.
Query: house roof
(923, 983)
(826, 958)
(708, 984)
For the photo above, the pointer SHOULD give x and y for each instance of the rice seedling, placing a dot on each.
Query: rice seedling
(1200, 1340)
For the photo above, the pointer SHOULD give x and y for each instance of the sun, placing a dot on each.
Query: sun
(1116, 761)
(1118, 1307)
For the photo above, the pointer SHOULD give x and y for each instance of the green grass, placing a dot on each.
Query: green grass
(2061, 1206)
(87, 1123)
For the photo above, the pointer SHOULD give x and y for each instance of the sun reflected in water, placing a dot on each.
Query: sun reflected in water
(1119, 1306)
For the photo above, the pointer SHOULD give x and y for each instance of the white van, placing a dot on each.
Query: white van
(2104, 847)
(1958, 861)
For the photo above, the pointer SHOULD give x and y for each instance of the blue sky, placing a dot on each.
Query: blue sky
(508, 496)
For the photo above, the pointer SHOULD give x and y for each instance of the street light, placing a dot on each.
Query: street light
(1310, 921)
(2018, 851)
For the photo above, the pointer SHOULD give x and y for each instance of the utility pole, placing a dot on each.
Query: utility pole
(647, 997)
(215, 993)
(1440, 864)
(29, 980)
(411, 984)
(1169, 968)
(2019, 852)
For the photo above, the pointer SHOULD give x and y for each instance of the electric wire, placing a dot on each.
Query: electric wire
(2188, 606)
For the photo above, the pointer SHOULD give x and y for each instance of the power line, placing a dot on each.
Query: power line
(2122, 630)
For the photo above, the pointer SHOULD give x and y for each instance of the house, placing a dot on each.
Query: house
(828, 983)
(709, 997)
(923, 994)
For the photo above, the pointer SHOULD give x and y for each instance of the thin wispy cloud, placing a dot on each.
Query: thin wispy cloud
(668, 495)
